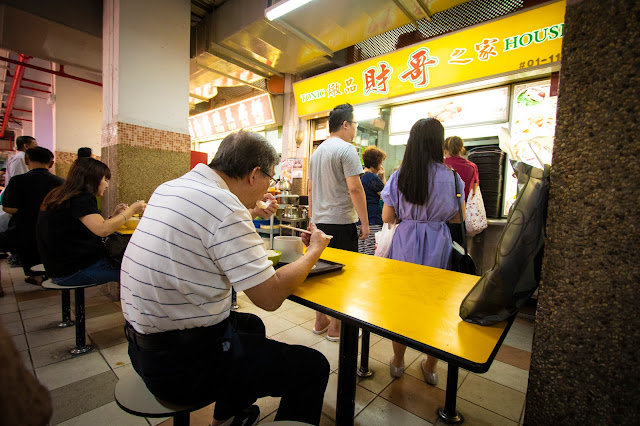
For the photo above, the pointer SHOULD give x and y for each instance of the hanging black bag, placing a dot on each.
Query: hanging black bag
(461, 261)
(115, 245)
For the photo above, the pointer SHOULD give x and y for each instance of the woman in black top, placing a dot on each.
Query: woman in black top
(372, 182)
(70, 227)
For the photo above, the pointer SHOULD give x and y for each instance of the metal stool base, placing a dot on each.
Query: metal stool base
(81, 350)
(364, 373)
(458, 418)
(66, 324)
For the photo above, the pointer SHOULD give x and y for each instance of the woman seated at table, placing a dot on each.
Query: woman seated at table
(421, 196)
(70, 227)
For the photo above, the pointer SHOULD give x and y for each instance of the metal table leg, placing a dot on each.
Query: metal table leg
(234, 300)
(364, 371)
(348, 364)
(81, 343)
(66, 309)
(449, 413)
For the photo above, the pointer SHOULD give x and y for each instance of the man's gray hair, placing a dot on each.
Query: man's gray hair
(241, 152)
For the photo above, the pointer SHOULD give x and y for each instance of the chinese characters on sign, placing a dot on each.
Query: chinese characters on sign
(528, 39)
(245, 114)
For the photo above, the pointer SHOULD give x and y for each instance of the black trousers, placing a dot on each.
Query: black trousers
(234, 365)
(345, 237)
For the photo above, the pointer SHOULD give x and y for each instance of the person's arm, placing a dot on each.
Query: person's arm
(10, 199)
(9, 210)
(359, 200)
(270, 294)
(310, 202)
(389, 214)
(103, 227)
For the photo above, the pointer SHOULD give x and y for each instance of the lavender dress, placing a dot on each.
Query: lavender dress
(422, 236)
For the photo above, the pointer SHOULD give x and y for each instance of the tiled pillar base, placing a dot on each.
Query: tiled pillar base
(63, 161)
(140, 159)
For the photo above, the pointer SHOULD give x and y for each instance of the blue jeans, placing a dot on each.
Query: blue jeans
(98, 273)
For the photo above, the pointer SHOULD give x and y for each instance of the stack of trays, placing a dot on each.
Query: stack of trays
(490, 162)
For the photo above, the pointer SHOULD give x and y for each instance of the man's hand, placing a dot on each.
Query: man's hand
(317, 240)
(364, 232)
(269, 210)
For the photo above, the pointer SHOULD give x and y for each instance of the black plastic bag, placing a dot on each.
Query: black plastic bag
(115, 245)
(516, 273)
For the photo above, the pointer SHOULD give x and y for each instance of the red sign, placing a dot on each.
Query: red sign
(214, 124)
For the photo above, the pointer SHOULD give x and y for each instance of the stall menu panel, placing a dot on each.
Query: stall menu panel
(487, 106)
(246, 114)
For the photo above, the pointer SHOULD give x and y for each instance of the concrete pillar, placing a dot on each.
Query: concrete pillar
(145, 137)
(585, 360)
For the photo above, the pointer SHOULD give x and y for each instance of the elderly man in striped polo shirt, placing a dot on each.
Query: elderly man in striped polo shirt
(195, 242)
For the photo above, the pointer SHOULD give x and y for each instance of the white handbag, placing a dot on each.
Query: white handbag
(476, 216)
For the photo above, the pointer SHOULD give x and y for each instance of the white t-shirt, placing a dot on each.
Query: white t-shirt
(15, 166)
(194, 241)
(329, 167)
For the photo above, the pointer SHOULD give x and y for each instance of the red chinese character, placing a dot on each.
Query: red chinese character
(376, 79)
(418, 63)
(486, 49)
(456, 57)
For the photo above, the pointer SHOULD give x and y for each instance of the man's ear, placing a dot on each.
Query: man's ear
(253, 175)
(26, 161)
(51, 163)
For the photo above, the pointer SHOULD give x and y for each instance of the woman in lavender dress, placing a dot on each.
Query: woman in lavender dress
(420, 196)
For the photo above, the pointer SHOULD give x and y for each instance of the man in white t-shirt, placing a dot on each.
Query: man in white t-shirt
(17, 165)
(336, 196)
(195, 242)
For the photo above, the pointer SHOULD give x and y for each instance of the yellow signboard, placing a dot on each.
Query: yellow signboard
(517, 42)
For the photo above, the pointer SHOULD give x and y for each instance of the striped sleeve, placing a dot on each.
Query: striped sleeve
(239, 251)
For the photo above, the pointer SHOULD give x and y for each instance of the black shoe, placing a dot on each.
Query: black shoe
(247, 417)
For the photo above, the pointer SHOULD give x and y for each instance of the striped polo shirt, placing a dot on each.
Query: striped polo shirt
(194, 242)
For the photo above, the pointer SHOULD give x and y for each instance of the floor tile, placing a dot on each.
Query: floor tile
(514, 356)
(286, 305)
(53, 352)
(492, 396)
(382, 412)
(117, 356)
(20, 341)
(250, 308)
(7, 299)
(105, 321)
(415, 370)
(415, 396)
(14, 328)
(268, 405)
(298, 336)
(38, 312)
(330, 350)
(275, 325)
(383, 351)
(124, 370)
(520, 336)
(35, 295)
(90, 302)
(10, 317)
(51, 335)
(108, 337)
(508, 375)
(83, 396)
(106, 415)
(60, 374)
(201, 417)
(475, 415)
(39, 303)
(298, 315)
(381, 377)
(363, 397)
(8, 308)
(102, 309)
(43, 322)
(26, 357)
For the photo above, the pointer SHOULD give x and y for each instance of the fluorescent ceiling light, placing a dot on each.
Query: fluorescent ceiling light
(364, 113)
(283, 7)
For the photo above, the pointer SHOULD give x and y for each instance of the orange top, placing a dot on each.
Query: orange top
(414, 301)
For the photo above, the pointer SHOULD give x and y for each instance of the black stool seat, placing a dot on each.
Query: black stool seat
(132, 396)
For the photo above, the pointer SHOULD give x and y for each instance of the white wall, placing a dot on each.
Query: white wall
(146, 63)
(43, 123)
(78, 113)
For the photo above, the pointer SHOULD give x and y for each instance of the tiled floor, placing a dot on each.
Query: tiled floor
(82, 386)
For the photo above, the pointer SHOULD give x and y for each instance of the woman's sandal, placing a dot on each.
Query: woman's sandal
(431, 378)
(396, 372)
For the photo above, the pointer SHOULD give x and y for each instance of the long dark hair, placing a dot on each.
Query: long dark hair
(84, 176)
(424, 148)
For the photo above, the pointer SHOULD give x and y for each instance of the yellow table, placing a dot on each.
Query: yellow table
(412, 304)
(124, 230)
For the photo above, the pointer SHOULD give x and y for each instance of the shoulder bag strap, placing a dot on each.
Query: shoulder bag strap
(459, 197)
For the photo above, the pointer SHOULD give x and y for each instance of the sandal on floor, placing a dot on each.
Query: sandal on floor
(396, 372)
(324, 330)
(337, 338)
(431, 378)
